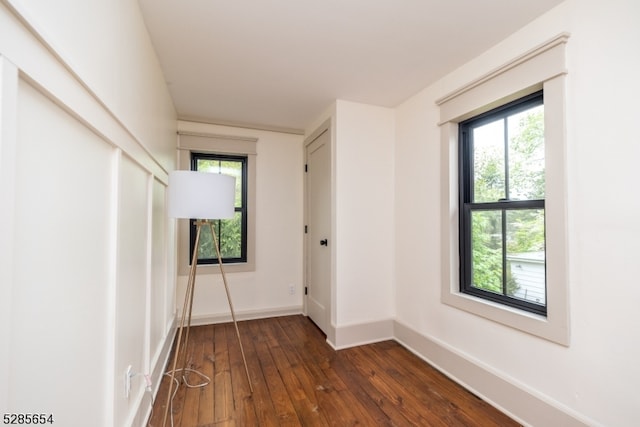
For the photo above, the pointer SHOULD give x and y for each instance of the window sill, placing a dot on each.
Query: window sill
(519, 319)
(242, 267)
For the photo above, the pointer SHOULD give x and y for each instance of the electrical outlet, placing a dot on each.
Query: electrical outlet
(127, 381)
(292, 290)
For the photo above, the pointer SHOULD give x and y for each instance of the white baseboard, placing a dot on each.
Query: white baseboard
(523, 405)
(360, 334)
(210, 319)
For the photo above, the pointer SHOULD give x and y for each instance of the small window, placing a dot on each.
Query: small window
(231, 233)
(502, 199)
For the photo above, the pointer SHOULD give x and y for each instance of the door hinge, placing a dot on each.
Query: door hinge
(306, 167)
(306, 290)
(306, 229)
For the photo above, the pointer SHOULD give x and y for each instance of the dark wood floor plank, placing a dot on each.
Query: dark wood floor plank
(400, 406)
(190, 376)
(176, 405)
(453, 394)
(361, 390)
(157, 412)
(336, 400)
(245, 409)
(316, 355)
(206, 408)
(265, 411)
(299, 380)
(411, 396)
(312, 380)
(223, 402)
(280, 397)
(294, 379)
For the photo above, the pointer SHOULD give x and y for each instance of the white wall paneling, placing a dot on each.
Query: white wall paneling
(87, 267)
(132, 278)
(61, 253)
(159, 277)
(8, 99)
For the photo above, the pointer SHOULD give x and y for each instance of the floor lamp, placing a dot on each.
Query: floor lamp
(199, 195)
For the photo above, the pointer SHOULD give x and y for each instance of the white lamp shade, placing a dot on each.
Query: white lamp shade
(201, 195)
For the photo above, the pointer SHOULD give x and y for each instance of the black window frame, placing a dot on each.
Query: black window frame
(195, 156)
(467, 206)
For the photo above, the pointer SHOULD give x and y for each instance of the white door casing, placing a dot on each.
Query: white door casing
(318, 236)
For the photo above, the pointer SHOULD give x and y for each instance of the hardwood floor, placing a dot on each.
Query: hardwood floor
(299, 380)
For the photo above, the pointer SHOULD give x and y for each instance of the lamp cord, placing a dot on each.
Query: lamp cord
(185, 374)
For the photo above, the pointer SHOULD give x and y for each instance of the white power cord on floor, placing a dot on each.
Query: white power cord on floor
(185, 373)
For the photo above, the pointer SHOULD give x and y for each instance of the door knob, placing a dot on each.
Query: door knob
(323, 242)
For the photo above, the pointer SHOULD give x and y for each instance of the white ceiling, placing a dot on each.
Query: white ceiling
(281, 63)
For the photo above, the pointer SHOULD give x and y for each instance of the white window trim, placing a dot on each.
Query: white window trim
(541, 68)
(219, 144)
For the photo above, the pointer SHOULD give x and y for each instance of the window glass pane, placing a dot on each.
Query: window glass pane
(231, 237)
(502, 191)
(234, 168)
(228, 232)
(486, 247)
(205, 248)
(488, 162)
(208, 165)
(526, 154)
(526, 275)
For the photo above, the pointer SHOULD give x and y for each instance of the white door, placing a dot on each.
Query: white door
(318, 198)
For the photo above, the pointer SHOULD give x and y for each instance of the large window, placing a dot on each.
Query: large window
(502, 200)
(504, 209)
(231, 233)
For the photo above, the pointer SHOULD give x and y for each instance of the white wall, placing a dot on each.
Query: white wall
(364, 245)
(88, 135)
(107, 44)
(279, 234)
(593, 380)
(362, 293)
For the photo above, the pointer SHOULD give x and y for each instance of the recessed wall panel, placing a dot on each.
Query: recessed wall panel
(61, 253)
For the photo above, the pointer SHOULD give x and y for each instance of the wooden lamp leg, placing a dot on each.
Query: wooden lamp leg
(233, 315)
(186, 318)
(185, 322)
